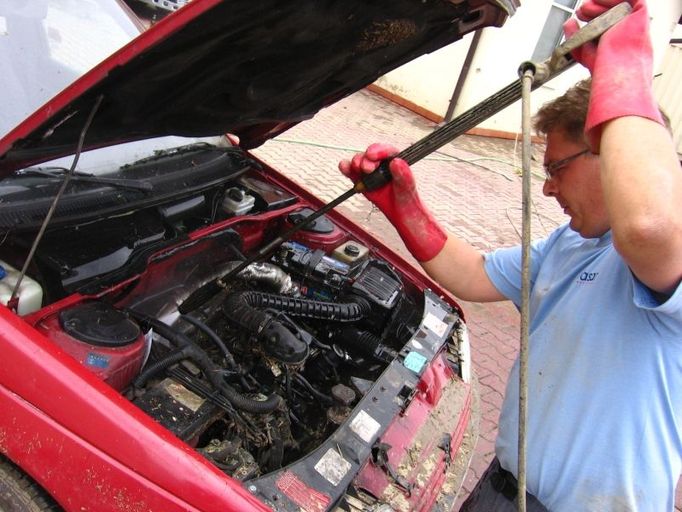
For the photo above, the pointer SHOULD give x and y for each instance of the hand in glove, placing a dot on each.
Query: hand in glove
(621, 64)
(399, 201)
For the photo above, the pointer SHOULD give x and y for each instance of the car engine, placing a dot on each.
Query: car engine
(290, 347)
(273, 363)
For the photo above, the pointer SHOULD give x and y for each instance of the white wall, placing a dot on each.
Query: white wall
(430, 80)
(669, 93)
(497, 60)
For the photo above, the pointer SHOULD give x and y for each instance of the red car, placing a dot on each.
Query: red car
(138, 372)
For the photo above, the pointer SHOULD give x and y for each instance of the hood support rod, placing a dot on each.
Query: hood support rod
(13, 301)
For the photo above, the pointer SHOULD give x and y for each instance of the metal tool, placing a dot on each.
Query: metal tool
(530, 74)
(545, 71)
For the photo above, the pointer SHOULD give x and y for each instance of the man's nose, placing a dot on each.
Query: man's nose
(549, 188)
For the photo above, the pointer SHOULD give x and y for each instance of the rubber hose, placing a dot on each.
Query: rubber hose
(229, 358)
(361, 341)
(277, 341)
(161, 364)
(364, 342)
(308, 308)
(212, 371)
(317, 394)
(243, 403)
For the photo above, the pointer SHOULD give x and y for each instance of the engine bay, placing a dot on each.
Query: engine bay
(275, 363)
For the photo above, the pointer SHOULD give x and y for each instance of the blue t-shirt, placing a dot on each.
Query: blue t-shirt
(604, 428)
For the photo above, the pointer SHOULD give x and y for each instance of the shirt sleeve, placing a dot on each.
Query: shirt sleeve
(644, 298)
(503, 266)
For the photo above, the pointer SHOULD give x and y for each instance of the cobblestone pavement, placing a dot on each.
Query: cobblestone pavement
(472, 186)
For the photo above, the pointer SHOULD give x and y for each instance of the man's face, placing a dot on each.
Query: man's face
(575, 183)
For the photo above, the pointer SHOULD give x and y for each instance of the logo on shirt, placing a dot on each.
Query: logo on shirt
(587, 277)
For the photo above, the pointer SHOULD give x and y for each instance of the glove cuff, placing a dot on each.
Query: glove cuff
(622, 75)
(631, 100)
(422, 235)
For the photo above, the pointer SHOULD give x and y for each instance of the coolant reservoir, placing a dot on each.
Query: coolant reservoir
(30, 293)
(351, 253)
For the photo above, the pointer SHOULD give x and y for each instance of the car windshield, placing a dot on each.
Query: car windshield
(110, 159)
(45, 45)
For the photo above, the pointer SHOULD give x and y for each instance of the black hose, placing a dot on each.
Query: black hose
(317, 394)
(276, 340)
(247, 404)
(352, 311)
(365, 343)
(160, 365)
(212, 372)
(229, 358)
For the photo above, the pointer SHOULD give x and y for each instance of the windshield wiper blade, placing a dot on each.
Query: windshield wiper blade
(58, 172)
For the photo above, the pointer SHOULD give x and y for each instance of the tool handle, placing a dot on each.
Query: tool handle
(377, 178)
(382, 174)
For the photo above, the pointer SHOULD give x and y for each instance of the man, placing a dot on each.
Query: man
(605, 358)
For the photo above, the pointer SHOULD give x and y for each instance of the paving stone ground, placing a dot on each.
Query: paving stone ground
(472, 186)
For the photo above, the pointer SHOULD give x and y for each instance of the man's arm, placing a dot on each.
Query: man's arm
(641, 177)
(459, 268)
(642, 183)
(454, 264)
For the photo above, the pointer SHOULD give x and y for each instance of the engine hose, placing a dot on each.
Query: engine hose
(269, 274)
(365, 343)
(212, 372)
(229, 358)
(246, 404)
(317, 394)
(160, 365)
(276, 340)
(352, 311)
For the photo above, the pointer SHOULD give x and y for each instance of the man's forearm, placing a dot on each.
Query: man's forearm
(642, 183)
(459, 268)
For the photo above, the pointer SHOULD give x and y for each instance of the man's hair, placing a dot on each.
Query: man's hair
(567, 113)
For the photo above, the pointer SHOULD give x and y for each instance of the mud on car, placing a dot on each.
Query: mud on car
(138, 372)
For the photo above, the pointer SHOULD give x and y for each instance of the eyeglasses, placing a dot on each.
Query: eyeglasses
(552, 168)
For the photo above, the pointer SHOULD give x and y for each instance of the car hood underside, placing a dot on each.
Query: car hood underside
(249, 68)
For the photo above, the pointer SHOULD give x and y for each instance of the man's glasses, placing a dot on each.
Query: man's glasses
(552, 168)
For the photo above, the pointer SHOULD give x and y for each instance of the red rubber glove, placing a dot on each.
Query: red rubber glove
(621, 64)
(399, 201)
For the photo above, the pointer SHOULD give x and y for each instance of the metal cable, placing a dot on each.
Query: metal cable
(526, 83)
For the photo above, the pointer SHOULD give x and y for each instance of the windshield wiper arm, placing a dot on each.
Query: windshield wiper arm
(57, 172)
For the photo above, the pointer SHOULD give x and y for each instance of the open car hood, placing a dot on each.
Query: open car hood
(249, 68)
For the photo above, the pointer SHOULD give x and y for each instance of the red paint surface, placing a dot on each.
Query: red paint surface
(402, 432)
(77, 437)
(297, 491)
